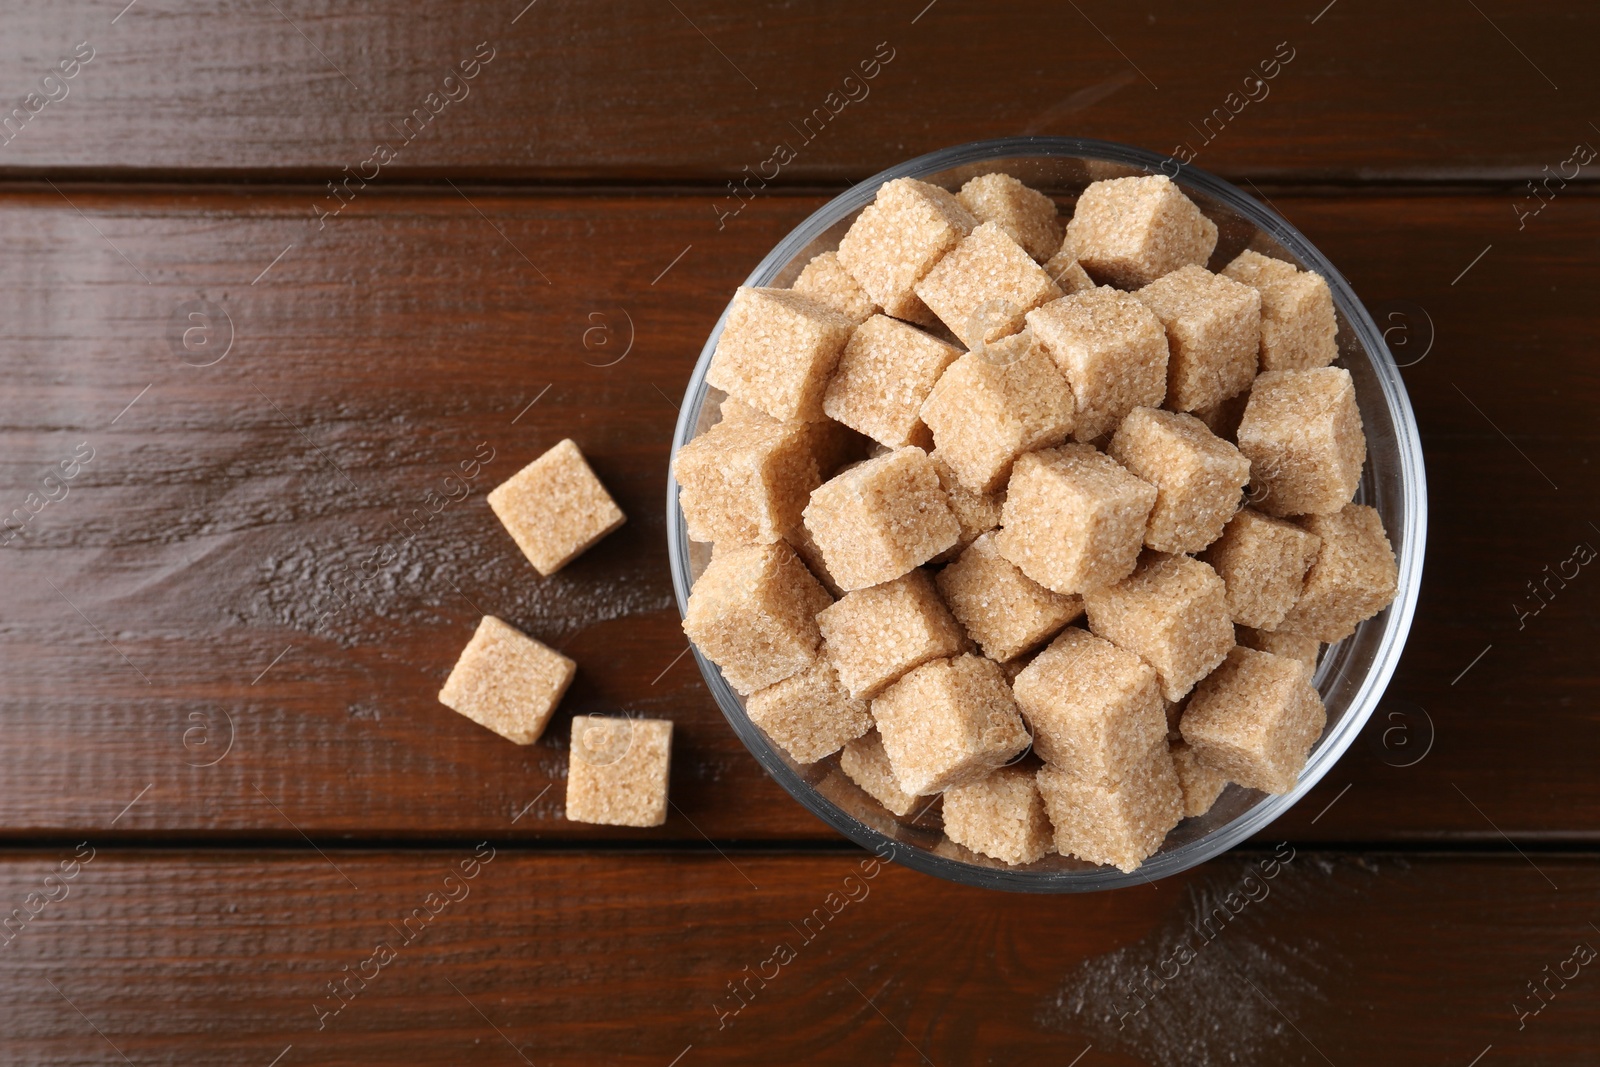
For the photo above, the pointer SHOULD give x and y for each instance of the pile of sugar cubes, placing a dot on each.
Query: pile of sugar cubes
(1050, 521)
(555, 508)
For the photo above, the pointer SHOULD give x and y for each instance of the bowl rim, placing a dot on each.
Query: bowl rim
(1410, 539)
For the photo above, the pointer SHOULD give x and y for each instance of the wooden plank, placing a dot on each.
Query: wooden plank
(650, 92)
(193, 584)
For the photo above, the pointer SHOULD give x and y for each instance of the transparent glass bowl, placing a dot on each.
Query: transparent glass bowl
(1352, 674)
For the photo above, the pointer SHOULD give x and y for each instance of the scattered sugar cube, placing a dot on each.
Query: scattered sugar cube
(1201, 783)
(1026, 215)
(1281, 643)
(1172, 611)
(984, 286)
(1198, 476)
(1113, 351)
(1074, 518)
(1068, 274)
(1352, 578)
(1263, 562)
(898, 238)
(1130, 231)
(1121, 824)
(1000, 815)
(617, 773)
(777, 350)
(1003, 610)
(1213, 326)
(886, 372)
(878, 519)
(1298, 327)
(1095, 709)
(555, 508)
(1255, 719)
(746, 481)
(948, 722)
(826, 282)
(873, 636)
(809, 715)
(976, 513)
(753, 612)
(866, 764)
(1302, 434)
(507, 681)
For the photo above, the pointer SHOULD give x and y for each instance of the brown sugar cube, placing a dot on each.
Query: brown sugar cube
(1067, 273)
(507, 681)
(800, 540)
(555, 508)
(992, 406)
(1198, 476)
(826, 282)
(873, 636)
(948, 722)
(976, 513)
(1281, 643)
(1113, 351)
(809, 715)
(746, 481)
(1130, 231)
(866, 764)
(1000, 815)
(777, 350)
(1263, 563)
(898, 238)
(1001, 608)
(1173, 612)
(1352, 578)
(1213, 326)
(880, 518)
(886, 372)
(1222, 418)
(984, 286)
(1095, 709)
(1255, 719)
(753, 612)
(1121, 824)
(618, 770)
(1074, 518)
(1026, 215)
(1298, 327)
(1201, 783)
(1302, 434)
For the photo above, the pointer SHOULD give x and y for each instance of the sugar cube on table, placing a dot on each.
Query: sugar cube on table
(898, 238)
(825, 281)
(984, 286)
(1122, 824)
(1074, 518)
(1003, 610)
(886, 372)
(810, 714)
(1213, 326)
(746, 481)
(555, 508)
(777, 351)
(1263, 562)
(993, 405)
(880, 518)
(1201, 783)
(1352, 578)
(1130, 231)
(507, 681)
(1000, 815)
(976, 513)
(753, 612)
(1255, 719)
(1028, 216)
(1282, 643)
(866, 764)
(1113, 351)
(1298, 328)
(1302, 434)
(947, 722)
(1199, 477)
(1173, 612)
(873, 636)
(618, 770)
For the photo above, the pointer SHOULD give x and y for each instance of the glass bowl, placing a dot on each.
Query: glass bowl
(1352, 674)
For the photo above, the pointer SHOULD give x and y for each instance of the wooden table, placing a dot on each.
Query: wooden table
(225, 780)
